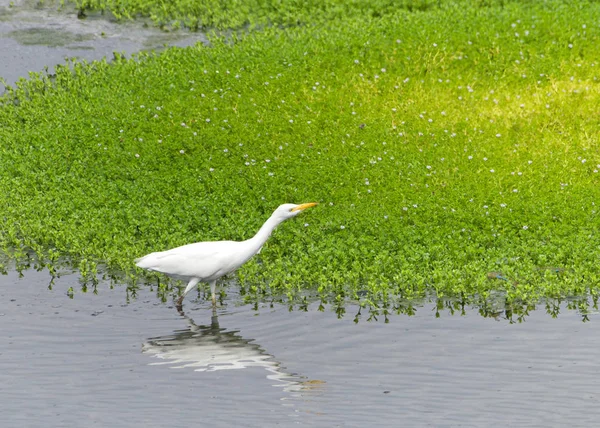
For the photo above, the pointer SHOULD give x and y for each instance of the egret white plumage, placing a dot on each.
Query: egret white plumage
(209, 261)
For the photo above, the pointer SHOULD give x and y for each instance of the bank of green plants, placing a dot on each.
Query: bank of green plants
(454, 153)
(236, 14)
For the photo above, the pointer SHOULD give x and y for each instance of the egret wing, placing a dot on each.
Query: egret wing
(201, 260)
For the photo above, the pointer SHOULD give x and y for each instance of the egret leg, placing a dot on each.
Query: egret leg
(193, 282)
(213, 290)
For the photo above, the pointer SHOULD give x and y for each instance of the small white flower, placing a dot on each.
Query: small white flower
(137, 155)
(211, 169)
(181, 151)
(525, 227)
(498, 135)
(342, 227)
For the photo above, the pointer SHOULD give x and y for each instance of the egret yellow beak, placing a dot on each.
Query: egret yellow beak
(302, 207)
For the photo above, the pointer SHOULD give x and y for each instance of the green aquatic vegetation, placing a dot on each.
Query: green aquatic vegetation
(235, 14)
(453, 153)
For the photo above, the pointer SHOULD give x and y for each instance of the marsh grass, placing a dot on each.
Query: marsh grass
(443, 146)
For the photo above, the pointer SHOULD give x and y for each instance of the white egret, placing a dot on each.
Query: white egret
(209, 261)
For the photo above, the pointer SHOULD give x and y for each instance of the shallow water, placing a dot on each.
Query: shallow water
(33, 38)
(99, 360)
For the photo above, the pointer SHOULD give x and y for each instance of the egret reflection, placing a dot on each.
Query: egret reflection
(206, 348)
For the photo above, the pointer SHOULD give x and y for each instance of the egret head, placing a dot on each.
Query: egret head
(292, 210)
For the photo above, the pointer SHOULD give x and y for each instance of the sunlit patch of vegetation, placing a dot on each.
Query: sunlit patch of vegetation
(453, 151)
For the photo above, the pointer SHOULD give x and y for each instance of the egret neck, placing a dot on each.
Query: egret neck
(258, 240)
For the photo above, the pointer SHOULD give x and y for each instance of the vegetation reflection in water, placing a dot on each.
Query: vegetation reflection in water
(445, 146)
(496, 305)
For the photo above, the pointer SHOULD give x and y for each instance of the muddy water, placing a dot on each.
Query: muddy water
(33, 38)
(106, 360)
